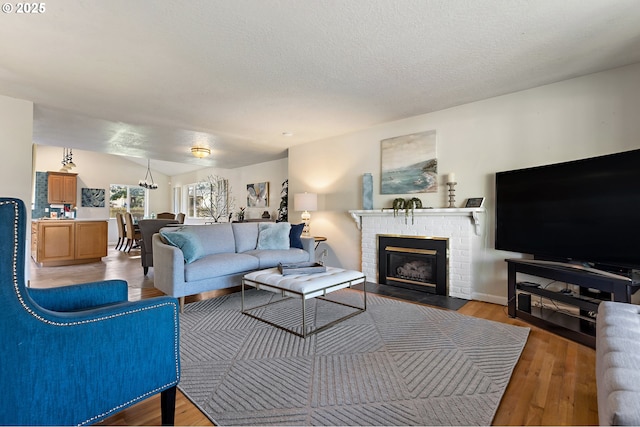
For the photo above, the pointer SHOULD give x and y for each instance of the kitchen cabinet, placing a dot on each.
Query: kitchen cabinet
(90, 240)
(68, 242)
(62, 188)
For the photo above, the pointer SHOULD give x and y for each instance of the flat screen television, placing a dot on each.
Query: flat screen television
(584, 211)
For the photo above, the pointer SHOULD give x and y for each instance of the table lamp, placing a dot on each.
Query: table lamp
(305, 202)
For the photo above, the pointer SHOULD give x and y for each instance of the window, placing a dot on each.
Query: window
(123, 198)
(208, 199)
(177, 206)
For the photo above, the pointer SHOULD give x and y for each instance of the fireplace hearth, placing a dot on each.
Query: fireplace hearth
(413, 262)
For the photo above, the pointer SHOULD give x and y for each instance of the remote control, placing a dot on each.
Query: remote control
(529, 284)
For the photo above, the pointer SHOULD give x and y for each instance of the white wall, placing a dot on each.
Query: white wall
(582, 117)
(16, 132)
(273, 172)
(16, 179)
(99, 170)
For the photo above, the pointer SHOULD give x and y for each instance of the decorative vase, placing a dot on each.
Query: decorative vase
(367, 191)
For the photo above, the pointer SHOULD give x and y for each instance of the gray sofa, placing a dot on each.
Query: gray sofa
(226, 252)
(618, 363)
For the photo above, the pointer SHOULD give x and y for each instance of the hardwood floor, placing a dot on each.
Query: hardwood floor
(552, 384)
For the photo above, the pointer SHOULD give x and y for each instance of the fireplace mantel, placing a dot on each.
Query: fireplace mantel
(472, 213)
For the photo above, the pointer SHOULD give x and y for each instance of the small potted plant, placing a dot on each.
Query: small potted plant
(241, 215)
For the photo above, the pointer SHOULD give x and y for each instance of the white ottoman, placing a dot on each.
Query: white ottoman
(303, 286)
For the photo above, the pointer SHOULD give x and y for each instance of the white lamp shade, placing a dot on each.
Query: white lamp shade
(305, 201)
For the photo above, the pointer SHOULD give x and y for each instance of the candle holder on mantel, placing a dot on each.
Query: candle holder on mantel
(452, 194)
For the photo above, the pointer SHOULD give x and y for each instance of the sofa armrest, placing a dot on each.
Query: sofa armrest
(80, 297)
(309, 245)
(168, 268)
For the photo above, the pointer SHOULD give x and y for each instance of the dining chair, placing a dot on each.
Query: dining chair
(121, 233)
(77, 354)
(132, 232)
(166, 215)
(180, 217)
(148, 227)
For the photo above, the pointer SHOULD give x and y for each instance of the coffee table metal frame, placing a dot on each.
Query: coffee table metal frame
(304, 296)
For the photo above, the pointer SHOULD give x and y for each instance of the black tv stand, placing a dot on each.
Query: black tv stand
(582, 267)
(594, 286)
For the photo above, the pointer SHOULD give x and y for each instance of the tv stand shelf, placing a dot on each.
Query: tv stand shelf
(582, 302)
(578, 328)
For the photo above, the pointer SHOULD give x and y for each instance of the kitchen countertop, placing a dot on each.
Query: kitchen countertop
(68, 219)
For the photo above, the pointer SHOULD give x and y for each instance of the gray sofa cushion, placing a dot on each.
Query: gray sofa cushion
(246, 235)
(219, 265)
(272, 257)
(216, 238)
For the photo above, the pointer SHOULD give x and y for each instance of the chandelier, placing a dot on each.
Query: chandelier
(67, 160)
(146, 184)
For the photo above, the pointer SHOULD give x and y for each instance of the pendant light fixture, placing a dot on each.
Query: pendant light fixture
(67, 160)
(146, 184)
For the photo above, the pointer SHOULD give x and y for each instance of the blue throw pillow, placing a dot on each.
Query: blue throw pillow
(273, 235)
(187, 241)
(294, 236)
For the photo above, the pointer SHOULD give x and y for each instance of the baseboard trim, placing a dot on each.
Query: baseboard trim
(493, 299)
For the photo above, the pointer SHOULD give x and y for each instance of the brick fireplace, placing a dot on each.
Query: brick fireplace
(461, 228)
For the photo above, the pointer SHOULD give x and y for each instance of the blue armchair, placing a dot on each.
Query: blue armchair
(75, 355)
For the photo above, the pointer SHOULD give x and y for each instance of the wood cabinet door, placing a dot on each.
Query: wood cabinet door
(62, 188)
(56, 242)
(69, 187)
(56, 187)
(91, 239)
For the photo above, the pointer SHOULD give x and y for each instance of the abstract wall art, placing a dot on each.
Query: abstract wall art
(258, 195)
(93, 197)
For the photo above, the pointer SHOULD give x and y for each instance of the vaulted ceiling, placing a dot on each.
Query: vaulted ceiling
(151, 78)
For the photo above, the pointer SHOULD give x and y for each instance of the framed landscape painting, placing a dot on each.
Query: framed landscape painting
(409, 164)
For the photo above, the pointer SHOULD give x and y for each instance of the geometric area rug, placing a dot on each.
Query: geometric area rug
(395, 364)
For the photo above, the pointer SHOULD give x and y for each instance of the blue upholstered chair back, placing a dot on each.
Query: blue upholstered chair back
(12, 265)
(76, 354)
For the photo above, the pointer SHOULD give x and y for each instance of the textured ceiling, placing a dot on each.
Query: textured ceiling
(150, 78)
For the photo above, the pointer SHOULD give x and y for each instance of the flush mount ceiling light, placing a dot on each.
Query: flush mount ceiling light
(200, 152)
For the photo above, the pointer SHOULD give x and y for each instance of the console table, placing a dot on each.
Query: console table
(594, 287)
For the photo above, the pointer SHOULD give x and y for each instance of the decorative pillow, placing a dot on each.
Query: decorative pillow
(294, 236)
(273, 235)
(187, 241)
